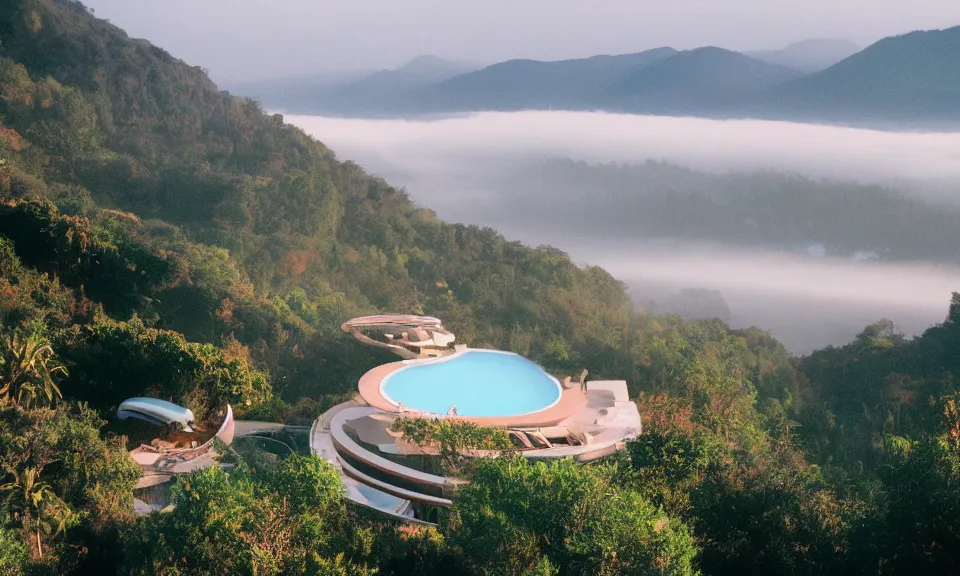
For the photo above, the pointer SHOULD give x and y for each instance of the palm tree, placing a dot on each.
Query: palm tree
(28, 369)
(36, 503)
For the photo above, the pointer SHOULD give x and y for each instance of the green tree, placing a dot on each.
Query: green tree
(13, 554)
(29, 369)
(35, 505)
(288, 521)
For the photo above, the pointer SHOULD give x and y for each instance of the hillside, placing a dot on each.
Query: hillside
(701, 81)
(913, 77)
(808, 56)
(261, 235)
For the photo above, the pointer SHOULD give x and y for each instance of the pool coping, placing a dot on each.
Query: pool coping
(461, 352)
(570, 400)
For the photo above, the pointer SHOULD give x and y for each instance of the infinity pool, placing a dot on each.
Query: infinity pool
(477, 382)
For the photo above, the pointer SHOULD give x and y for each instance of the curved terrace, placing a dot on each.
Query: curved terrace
(406, 335)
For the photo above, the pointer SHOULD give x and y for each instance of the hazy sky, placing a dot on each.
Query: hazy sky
(244, 39)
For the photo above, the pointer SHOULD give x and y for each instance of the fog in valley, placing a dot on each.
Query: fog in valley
(809, 231)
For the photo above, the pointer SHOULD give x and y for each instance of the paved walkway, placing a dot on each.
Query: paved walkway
(247, 427)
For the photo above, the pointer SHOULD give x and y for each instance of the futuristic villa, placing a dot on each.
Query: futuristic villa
(169, 443)
(544, 417)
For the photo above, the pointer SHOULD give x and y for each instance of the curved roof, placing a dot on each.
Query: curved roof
(388, 320)
(155, 410)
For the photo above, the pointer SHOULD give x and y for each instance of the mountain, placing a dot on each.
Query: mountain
(423, 69)
(379, 91)
(347, 92)
(532, 84)
(903, 81)
(808, 55)
(420, 71)
(910, 78)
(294, 87)
(702, 81)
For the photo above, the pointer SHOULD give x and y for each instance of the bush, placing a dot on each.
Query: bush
(161, 363)
(452, 437)
(521, 518)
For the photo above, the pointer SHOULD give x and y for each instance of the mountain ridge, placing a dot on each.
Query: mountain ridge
(705, 80)
(533, 83)
(898, 82)
(913, 75)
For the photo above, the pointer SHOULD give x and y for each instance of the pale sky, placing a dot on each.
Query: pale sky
(247, 39)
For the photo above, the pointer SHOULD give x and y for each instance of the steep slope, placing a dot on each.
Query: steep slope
(701, 81)
(914, 77)
(532, 84)
(808, 55)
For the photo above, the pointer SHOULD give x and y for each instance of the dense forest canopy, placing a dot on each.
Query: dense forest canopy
(161, 237)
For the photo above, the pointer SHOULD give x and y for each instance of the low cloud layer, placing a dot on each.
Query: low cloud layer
(806, 301)
(713, 145)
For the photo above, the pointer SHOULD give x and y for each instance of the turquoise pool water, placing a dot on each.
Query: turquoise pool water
(477, 382)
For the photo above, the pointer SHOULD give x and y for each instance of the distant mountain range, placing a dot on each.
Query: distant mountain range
(903, 78)
(346, 91)
(911, 79)
(524, 84)
(808, 56)
(702, 81)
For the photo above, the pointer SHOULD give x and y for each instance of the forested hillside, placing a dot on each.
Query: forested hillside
(160, 237)
(256, 233)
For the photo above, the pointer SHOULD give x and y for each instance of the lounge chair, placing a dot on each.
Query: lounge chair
(538, 439)
(521, 438)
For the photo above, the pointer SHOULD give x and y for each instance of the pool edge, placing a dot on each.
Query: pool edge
(570, 399)
(425, 361)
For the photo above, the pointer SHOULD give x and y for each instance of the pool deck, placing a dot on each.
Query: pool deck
(571, 401)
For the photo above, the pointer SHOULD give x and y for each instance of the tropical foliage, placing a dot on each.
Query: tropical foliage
(29, 372)
(161, 237)
(522, 518)
(453, 439)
